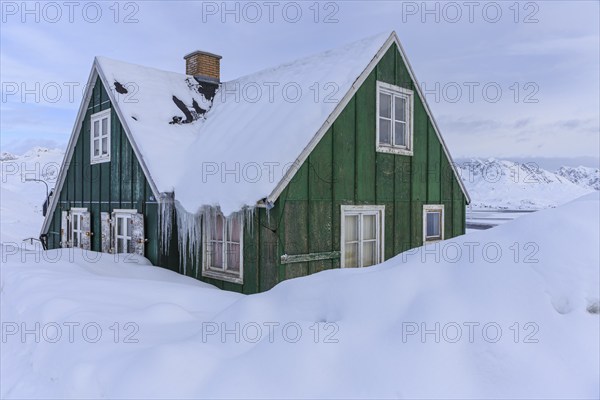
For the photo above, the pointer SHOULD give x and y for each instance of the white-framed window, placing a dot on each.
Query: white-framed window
(362, 235)
(394, 119)
(433, 223)
(223, 248)
(123, 231)
(100, 137)
(77, 230)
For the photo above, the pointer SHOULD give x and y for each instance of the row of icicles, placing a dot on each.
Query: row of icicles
(190, 227)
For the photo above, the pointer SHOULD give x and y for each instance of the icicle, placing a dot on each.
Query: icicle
(189, 235)
(165, 216)
(189, 228)
(268, 216)
(249, 215)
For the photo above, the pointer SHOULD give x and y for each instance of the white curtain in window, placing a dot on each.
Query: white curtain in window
(385, 118)
(433, 224)
(369, 240)
(351, 241)
(233, 244)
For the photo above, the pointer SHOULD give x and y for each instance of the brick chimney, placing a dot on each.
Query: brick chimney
(203, 66)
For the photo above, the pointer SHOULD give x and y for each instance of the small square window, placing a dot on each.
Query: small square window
(100, 137)
(433, 223)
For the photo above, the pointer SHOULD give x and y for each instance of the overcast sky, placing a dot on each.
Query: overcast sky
(542, 56)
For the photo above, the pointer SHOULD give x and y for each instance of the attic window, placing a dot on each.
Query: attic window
(394, 119)
(100, 137)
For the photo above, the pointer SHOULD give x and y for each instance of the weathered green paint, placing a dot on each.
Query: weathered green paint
(302, 258)
(304, 222)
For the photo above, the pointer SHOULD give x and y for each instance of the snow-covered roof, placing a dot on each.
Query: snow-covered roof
(242, 144)
(258, 125)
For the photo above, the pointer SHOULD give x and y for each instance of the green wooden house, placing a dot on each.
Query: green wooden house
(331, 161)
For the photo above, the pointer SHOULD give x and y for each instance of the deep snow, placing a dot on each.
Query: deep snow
(541, 291)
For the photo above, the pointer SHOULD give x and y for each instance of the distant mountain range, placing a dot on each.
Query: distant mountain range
(582, 176)
(504, 184)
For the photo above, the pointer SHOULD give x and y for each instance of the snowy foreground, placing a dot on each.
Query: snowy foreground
(515, 316)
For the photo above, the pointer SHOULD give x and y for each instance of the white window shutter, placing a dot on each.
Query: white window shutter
(64, 229)
(106, 227)
(86, 237)
(137, 235)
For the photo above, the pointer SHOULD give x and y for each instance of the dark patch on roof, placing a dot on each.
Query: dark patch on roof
(134, 117)
(207, 89)
(181, 105)
(120, 88)
(190, 114)
(176, 120)
(199, 110)
(195, 111)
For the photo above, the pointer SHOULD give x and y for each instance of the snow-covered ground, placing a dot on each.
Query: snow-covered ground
(511, 312)
(22, 199)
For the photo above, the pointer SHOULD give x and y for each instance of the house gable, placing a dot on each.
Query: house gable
(344, 168)
(102, 187)
(409, 76)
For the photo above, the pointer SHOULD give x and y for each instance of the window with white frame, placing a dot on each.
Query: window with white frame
(123, 231)
(223, 247)
(100, 137)
(77, 230)
(394, 119)
(362, 241)
(433, 223)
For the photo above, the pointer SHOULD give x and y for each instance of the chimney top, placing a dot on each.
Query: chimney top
(203, 66)
(200, 52)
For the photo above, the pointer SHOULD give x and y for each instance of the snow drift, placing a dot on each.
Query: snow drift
(504, 313)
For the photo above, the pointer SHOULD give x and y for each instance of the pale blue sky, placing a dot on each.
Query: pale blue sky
(551, 54)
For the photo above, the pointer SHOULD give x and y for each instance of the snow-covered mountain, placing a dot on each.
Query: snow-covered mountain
(504, 184)
(22, 198)
(582, 176)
